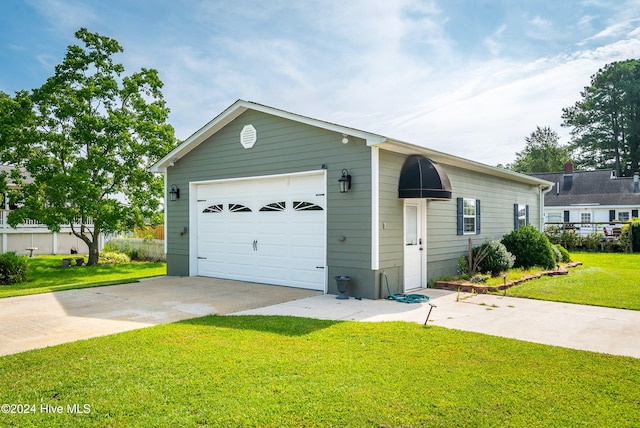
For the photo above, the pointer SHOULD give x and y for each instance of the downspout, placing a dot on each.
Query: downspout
(543, 191)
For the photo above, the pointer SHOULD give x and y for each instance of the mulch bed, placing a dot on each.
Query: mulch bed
(469, 287)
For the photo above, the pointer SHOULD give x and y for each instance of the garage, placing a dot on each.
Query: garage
(270, 229)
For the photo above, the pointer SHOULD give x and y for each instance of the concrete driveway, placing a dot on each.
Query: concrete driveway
(40, 320)
(589, 328)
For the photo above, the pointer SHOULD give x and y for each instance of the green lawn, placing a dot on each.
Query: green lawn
(47, 274)
(604, 279)
(285, 371)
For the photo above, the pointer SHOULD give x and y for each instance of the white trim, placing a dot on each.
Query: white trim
(193, 228)
(375, 208)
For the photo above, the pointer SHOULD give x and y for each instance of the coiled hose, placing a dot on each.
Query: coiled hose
(404, 298)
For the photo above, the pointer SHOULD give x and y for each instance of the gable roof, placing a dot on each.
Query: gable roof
(599, 187)
(372, 140)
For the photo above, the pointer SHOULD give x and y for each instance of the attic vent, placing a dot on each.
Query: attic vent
(423, 178)
(248, 136)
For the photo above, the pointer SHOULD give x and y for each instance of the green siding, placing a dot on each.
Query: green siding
(283, 147)
(497, 197)
(444, 246)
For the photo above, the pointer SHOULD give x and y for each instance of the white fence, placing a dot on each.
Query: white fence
(152, 249)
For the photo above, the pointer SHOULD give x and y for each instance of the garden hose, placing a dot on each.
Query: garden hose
(404, 298)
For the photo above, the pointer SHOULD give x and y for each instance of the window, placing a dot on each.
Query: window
(520, 215)
(306, 206)
(623, 215)
(274, 206)
(238, 208)
(468, 216)
(585, 218)
(213, 209)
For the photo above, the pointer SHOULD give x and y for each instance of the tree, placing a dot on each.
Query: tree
(85, 143)
(606, 121)
(542, 153)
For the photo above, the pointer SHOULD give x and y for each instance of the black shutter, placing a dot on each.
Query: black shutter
(566, 216)
(612, 215)
(526, 218)
(460, 216)
(516, 223)
(477, 216)
(634, 213)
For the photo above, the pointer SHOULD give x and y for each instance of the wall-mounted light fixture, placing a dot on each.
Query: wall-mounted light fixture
(345, 181)
(174, 193)
(345, 139)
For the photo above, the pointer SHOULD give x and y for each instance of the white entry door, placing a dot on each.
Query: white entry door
(414, 245)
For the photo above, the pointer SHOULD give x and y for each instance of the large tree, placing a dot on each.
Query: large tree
(606, 121)
(542, 153)
(85, 142)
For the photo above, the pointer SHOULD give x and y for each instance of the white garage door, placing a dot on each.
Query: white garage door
(269, 230)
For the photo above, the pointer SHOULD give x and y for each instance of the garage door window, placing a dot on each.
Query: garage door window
(213, 209)
(274, 206)
(306, 206)
(238, 208)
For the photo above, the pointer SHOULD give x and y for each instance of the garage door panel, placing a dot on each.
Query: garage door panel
(269, 230)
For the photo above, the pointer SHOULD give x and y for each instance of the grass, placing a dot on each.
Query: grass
(604, 279)
(284, 371)
(46, 275)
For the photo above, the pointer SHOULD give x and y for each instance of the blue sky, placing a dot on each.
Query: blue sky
(468, 77)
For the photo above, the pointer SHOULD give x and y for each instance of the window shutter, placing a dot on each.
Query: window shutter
(460, 217)
(566, 216)
(477, 216)
(526, 219)
(612, 215)
(516, 223)
(634, 213)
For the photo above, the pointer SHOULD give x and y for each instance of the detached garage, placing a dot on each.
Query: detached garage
(264, 195)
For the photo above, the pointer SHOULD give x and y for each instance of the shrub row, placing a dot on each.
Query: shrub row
(629, 240)
(523, 248)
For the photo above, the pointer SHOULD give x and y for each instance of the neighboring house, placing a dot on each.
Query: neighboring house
(590, 201)
(32, 234)
(263, 195)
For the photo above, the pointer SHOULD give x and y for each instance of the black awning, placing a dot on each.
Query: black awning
(423, 178)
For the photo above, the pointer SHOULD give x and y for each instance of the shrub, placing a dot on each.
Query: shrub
(565, 256)
(115, 257)
(13, 268)
(630, 237)
(496, 258)
(592, 241)
(556, 253)
(530, 247)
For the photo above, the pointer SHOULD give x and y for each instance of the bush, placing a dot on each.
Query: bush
(496, 258)
(565, 256)
(630, 237)
(592, 241)
(530, 247)
(13, 268)
(566, 237)
(115, 257)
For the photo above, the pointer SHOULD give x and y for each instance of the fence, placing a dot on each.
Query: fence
(157, 232)
(152, 249)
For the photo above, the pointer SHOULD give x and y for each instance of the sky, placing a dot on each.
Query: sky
(472, 78)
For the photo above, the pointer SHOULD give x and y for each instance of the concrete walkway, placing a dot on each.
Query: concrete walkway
(590, 328)
(37, 321)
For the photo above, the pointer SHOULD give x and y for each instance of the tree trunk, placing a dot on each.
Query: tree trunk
(93, 253)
